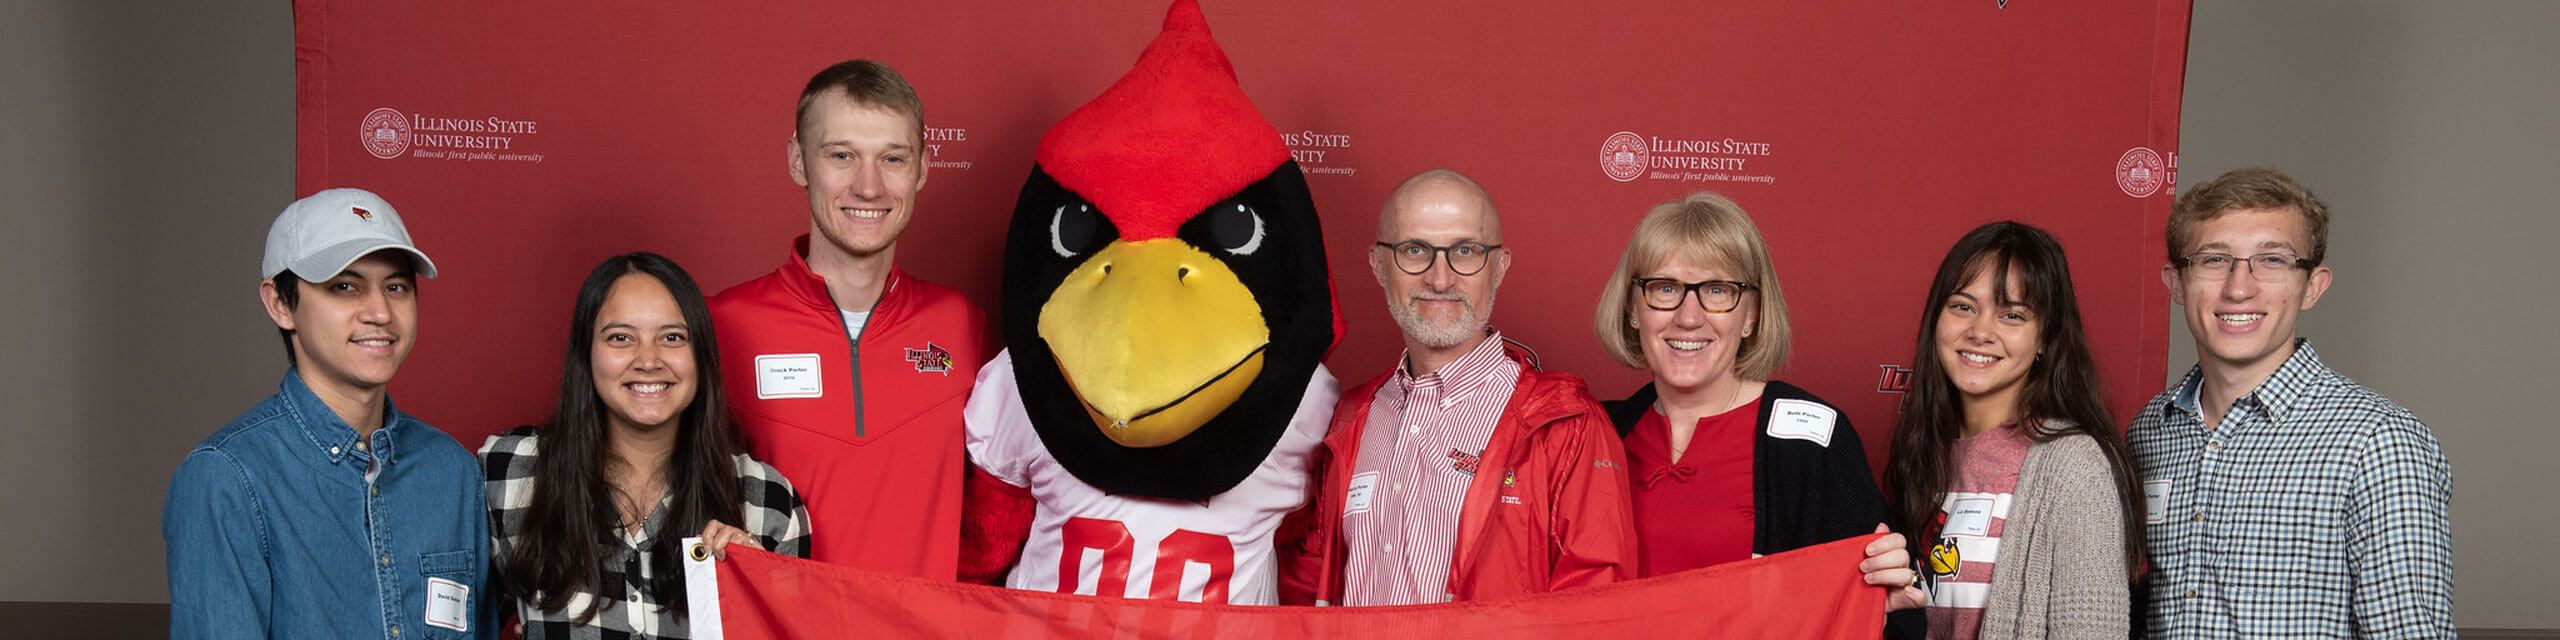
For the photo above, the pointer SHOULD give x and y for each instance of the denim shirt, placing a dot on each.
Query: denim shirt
(283, 525)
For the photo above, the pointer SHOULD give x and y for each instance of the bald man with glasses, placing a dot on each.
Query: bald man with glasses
(1465, 472)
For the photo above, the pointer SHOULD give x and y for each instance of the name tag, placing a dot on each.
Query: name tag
(2155, 502)
(1969, 517)
(448, 604)
(1362, 487)
(1801, 420)
(791, 375)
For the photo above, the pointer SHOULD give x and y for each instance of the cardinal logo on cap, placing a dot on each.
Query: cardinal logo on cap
(360, 212)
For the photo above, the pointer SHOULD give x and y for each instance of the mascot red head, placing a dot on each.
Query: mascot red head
(1165, 290)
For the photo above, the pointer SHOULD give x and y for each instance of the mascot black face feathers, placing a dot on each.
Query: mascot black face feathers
(1165, 294)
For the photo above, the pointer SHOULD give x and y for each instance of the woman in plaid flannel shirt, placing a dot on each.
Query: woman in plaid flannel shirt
(588, 513)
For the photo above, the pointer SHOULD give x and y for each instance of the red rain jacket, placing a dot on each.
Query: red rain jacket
(1555, 517)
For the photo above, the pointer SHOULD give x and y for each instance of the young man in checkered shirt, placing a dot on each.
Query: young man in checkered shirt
(2285, 499)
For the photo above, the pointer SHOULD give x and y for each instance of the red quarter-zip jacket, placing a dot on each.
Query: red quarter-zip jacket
(866, 427)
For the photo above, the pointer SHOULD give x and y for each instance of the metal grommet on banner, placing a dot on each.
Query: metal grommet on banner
(699, 551)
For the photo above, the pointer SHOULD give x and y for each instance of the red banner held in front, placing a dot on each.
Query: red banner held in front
(1814, 592)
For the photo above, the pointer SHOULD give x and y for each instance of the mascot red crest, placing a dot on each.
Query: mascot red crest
(1166, 309)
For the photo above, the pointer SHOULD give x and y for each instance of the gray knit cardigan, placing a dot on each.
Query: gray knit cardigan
(2061, 567)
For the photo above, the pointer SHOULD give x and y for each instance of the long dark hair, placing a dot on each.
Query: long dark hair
(568, 528)
(2061, 394)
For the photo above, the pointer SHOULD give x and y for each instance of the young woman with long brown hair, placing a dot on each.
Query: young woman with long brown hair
(588, 512)
(2007, 471)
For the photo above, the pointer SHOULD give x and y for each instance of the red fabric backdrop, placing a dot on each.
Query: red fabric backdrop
(525, 142)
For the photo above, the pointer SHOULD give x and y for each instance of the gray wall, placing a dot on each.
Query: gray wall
(2433, 132)
(144, 145)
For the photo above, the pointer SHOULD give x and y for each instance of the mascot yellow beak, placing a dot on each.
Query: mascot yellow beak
(1156, 337)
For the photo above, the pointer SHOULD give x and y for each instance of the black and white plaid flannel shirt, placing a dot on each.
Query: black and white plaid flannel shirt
(626, 607)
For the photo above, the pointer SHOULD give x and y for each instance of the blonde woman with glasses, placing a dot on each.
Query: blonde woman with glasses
(1728, 464)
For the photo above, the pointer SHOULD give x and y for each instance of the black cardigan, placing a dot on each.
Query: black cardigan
(1802, 493)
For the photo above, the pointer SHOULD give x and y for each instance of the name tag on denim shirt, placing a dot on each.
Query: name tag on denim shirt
(448, 604)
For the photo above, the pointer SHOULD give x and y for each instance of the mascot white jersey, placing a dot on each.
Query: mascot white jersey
(1088, 542)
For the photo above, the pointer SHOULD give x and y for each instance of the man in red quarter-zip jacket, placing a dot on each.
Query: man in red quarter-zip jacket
(844, 373)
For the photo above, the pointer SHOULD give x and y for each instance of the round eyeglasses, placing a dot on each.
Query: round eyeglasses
(1716, 296)
(1415, 256)
(2265, 267)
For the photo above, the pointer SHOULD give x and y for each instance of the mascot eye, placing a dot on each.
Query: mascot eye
(1072, 229)
(1236, 227)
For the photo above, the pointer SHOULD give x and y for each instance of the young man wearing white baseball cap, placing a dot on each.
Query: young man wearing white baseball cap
(325, 512)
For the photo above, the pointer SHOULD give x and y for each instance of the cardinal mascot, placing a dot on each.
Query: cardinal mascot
(1166, 309)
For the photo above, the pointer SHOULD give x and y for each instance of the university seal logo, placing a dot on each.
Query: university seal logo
(2140, 173)
(385, 133)
(1624, 156)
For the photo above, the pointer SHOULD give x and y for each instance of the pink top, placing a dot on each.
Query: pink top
(1971, 516)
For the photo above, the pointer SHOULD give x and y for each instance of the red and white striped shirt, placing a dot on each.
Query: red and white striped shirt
(1418, 453)
(1975, 510)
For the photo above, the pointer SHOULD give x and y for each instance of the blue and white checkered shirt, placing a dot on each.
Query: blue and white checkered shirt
(2316, 509)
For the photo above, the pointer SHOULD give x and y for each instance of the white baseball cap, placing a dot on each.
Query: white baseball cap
(318, 236)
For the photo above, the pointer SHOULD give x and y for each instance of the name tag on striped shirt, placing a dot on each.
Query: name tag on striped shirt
(1970, 516)
(1362, 487)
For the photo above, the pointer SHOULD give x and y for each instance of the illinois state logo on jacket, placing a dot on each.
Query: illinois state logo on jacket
(866, 424)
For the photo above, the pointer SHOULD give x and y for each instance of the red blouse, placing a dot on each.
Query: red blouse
(1695, 512)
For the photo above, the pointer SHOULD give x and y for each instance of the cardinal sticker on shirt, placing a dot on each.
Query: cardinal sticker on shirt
(1944, 557)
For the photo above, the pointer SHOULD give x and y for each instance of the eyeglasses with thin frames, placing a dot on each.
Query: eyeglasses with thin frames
(2264, 267)
(1716, 296)
(1415, 256)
